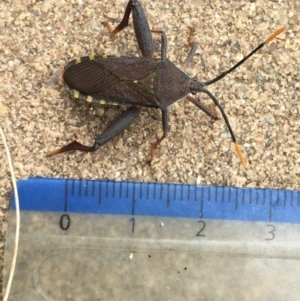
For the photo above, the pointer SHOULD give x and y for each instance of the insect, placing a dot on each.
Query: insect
(140, 82)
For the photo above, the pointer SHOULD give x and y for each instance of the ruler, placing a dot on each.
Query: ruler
(160, 199)
(158, 241)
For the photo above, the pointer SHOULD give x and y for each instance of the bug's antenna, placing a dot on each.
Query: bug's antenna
(270, 38)
(237, 147)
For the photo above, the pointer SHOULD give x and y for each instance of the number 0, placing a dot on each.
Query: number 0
(65, 225)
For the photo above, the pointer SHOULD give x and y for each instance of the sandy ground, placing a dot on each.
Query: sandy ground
(261, 98)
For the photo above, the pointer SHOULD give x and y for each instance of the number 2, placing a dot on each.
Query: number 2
(202, 228)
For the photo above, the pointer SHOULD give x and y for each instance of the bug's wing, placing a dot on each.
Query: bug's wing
(89, 77)
(125, 93)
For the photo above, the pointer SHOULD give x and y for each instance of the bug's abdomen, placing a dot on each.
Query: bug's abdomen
(88, 77)
(111, 80)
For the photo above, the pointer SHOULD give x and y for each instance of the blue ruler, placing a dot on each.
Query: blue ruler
(78, 235)
(159, 199)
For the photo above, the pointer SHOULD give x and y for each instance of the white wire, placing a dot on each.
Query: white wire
(14, 259)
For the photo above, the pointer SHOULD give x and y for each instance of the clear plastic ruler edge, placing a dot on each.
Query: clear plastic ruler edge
(217, 219)
(66, 219)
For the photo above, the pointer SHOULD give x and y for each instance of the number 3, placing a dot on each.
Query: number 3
(272, 232)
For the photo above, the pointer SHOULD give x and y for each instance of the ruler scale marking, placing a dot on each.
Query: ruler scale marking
(270, 208)
(133, 200)
(295, 199)
(120, 192)
(256, 197)
(141, 190)
(73, 186)
(222, 195)
(93, 188)
(213, 193)
(161, 199)
(236, 200)
(147, 196)
(285, 193)
(106, 189)
(100, 192)
(161, 191)
(168, 195)
(66, 196)
(201, 204)
(113, 190)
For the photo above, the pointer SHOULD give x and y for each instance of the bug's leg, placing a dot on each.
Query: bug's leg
(123, 23)
(114, 128)
(141, 27)
(166, 129)
(193, 46)
(164, 43)
(211, 111)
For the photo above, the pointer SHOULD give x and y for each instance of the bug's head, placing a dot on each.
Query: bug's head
(196, 86)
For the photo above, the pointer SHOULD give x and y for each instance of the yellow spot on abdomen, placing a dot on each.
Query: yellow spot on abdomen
(89, 98)
(75, 93)
(102, 102)
(78, 60)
